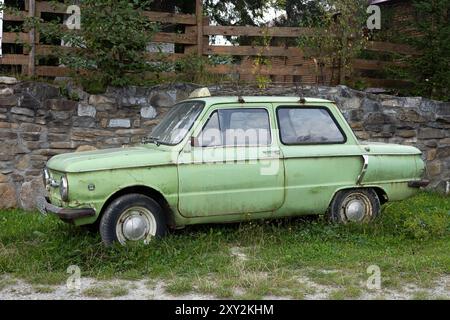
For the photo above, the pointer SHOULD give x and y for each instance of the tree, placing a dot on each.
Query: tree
(430, 70)
(338, 37)
(236, 12)
(110, 46)
(301, 13)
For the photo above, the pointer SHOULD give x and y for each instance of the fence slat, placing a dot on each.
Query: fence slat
(13, 37)
(19, 16)
(182, 38)
(392, 48)
(264, 70)
(257, 32)
(151, 56)
(166, 17)
(52, 71)
(386, 83)
(253, 51)
(14, 59)
(53, 7)
(362, 64)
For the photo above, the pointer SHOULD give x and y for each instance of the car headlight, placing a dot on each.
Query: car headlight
(64, 188)
(46, 177)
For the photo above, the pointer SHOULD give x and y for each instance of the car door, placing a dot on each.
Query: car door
(233, 166)
(321, 155)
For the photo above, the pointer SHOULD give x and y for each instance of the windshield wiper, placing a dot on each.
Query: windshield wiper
(154, 140)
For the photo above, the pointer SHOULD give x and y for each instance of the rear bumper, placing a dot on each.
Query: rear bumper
(418, 183)
(66, 214)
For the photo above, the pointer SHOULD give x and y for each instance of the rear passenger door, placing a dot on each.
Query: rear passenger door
(320, 156)
(234, 166)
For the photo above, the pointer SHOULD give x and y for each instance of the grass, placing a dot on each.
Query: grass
(106, 291)
(43, 289)
(410, 243)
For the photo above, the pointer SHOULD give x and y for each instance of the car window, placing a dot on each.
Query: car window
(211, 135)
(177, 122)
(308, 126)
(236, 127)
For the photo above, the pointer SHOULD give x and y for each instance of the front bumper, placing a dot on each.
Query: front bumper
(66, 214)
(418, 183)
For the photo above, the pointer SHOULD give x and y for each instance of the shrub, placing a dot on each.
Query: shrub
(431, 221)
(425, 226)
(110, 46)
(337, 38)
(430, 71)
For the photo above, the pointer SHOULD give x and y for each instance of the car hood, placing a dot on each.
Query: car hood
(117, 158)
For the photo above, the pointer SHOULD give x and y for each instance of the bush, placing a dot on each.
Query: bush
(110, 47)
(425, 226)
(430, 221)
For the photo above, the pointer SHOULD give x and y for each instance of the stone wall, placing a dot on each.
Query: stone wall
(37, 122)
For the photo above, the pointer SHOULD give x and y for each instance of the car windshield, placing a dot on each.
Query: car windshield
(178, 121)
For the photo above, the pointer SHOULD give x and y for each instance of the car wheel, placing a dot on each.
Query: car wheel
(132, 218)
(355, 205)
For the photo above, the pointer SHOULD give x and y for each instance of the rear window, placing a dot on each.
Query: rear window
(308, 126)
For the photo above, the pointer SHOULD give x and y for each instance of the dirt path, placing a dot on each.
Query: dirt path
(144, 290)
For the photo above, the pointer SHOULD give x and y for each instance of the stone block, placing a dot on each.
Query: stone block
(22, 111)
(86, 110)
(148, 112)
(8, 196)
(430, 133)
(119, 123)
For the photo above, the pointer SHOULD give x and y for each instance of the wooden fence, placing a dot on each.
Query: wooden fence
(286, 64)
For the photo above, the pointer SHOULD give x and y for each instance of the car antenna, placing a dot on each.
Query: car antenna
(300, 94)
(238, 89)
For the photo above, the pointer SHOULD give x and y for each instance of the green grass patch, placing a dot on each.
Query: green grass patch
(106, 291)
(43, 289)
(410, 243)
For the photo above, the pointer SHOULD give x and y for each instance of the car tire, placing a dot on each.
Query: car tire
(132, 218)
(91, 228)
(354, 205)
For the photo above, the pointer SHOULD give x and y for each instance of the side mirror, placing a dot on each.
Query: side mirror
(194, 142)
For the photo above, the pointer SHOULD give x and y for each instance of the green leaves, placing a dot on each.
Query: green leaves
(111, 43)
(430, 71)
(338, 35)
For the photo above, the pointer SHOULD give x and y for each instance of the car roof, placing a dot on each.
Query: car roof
(250, 99)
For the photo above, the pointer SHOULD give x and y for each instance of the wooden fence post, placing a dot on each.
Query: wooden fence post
(32, 36)
(199, 17)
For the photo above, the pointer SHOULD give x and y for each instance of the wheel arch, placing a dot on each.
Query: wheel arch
(381, 193)
(146, 191)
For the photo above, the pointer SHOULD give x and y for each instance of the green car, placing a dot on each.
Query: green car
(231, 159)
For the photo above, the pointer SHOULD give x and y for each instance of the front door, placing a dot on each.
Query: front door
(234, 166)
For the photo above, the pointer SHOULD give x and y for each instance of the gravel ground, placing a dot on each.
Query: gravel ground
(145, 290)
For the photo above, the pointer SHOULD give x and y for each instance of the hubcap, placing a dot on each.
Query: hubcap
(136, 224)
(356, 208)
(134, 228)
